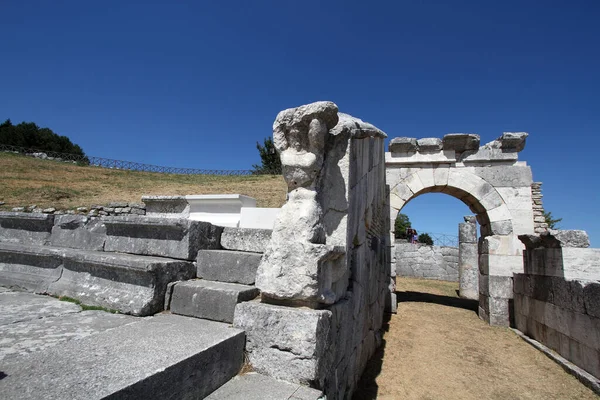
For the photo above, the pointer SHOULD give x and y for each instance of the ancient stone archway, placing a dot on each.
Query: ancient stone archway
(491, 182)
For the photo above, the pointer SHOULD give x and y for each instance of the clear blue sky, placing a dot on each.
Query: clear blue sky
(197, 83)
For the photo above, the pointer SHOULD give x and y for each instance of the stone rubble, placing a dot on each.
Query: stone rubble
(121, 208)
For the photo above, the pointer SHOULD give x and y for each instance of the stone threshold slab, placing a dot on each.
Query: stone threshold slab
(253, 386)
(165, 356)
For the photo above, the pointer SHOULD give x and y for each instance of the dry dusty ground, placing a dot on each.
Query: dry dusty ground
(437, 348)
(25, 181)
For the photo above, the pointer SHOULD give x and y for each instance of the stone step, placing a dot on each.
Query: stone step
(128, 283)
(164, 237)
(25, 228)
(208, 299)
(253, 386)
(160, 357)
(228, 266)
(246, 239)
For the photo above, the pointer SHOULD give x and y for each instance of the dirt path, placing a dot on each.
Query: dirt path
(437, 348)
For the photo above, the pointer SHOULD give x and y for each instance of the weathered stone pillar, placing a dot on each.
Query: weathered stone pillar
(468, 271)
(325, 275)
(500, 256)
(391, 305)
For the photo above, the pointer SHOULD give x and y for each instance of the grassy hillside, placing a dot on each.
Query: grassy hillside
(26, 181)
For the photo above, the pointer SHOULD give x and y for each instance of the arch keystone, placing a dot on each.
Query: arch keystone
(440, 175)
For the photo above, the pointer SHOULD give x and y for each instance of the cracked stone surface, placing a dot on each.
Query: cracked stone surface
(31, 322)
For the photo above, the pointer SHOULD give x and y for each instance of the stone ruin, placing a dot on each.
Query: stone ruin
(493, 183)
(324, 276)
(309, 297)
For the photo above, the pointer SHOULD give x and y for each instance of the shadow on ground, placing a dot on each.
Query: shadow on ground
(419, 297)
(367, 386)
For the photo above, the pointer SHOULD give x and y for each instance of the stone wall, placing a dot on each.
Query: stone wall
(339, 274)
(424, 261)
(539, 220)
(114, 208)
(557, 298)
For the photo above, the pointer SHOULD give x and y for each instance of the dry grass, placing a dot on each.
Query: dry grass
(26, 181)
(437, 348)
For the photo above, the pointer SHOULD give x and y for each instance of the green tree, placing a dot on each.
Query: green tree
(400, 225)
(270, 162)
(552, 222)
(29, 135)
(425, 239)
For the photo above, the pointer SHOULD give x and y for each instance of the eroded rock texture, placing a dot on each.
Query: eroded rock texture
(299, 264)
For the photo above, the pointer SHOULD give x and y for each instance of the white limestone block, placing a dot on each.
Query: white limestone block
(258, 217)
(499, 214)
(440, 175)
(218, 209)
(414, 183)
(426, 177)
(442, 157)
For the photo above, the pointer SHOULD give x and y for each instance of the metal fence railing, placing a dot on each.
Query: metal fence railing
(119, 164)
(443, 239)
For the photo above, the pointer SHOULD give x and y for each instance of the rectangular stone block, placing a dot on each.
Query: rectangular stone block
(165, 237)
(498, 305)
(467, 233)
(166, 206)
(499, 319)
(253, 386)
(500, 286)
(569, 295)
(228, 266)
(581, 263)
(521, 322)
(209, 300)
(245, 239)
(583, 328)
(518, 302)
(518, 283)
(285, 343)
(163, 357)
(484, 284)
(591, 295)
(522, 221)
(542, 288)
(540, 311)
(29, 267)
(78, 232)
(25, 228)
(507, 176)
(128, 283)
(552, 339)
(500, 265)
(468, 271)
